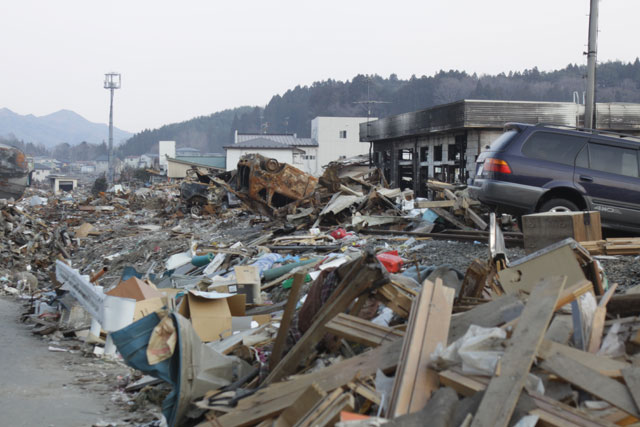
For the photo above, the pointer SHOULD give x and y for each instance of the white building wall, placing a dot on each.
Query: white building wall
(281, 155)
(40, 175)
(338, 137)
(166, 148)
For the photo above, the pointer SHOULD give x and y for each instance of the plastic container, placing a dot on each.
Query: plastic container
(391, 261)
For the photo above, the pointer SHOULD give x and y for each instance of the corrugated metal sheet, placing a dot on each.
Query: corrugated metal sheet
(286, 139)
(494, 114)
(617, 117)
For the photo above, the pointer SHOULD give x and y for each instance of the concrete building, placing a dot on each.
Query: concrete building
(41, 172)
(337, 138)
(60, 183)
(283, 153)
(286, 148)
(102, 164)
(444, 141)
(132, 162)
(150, 160)
(166, 149)
(177, 167)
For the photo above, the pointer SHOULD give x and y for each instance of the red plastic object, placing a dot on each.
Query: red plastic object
(391, 261)
(340, 233)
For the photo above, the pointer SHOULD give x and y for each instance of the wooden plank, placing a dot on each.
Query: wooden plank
(592, 382)
(287, 317)
(631, 377)
(328, 411)
(475, 218)
(605, 365)
(429, 204)
(428, 325)
(395, 299)
(358, 279)
(468, 385)
(303, 404)
(273, 399)
(362, 331)
(597, 326)
(503, 392)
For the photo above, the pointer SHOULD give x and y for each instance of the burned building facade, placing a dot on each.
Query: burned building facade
(443, 142)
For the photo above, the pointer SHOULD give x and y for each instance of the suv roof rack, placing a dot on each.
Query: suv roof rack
(576, 128)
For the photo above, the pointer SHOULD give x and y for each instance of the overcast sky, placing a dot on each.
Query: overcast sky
(184, 59)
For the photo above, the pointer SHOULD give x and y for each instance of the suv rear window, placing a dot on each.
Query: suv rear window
(500, 144)
(553, 147)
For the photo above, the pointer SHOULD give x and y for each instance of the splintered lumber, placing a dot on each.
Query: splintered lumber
(550, 411)
(599, 316)
(361, 277)
(428, 325)
(604, 365)
(501, 396)
(592, 382)
(362, 331)
(303, 404)
(493, 313)
(273, 399)
(287, 317)
(631, 377)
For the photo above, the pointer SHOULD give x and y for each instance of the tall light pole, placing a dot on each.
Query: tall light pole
(590, 103)
(111, 81)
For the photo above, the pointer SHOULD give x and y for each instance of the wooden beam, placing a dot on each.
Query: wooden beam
(301, 406)
(475, 218)
(501, 396)
(429, 204)
(362, 331)
(592, 382)
(287, 317)
(428, 325)
(488, 315)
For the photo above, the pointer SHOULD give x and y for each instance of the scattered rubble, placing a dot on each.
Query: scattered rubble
(289, 300)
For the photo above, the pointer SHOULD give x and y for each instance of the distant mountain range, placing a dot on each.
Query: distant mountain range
(52, 129)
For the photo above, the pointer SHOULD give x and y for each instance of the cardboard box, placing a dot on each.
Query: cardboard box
(148, 297)
(543, 229)
(248, 282)
(211, 313)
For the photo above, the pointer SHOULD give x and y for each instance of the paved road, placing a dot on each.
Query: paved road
(35, 387)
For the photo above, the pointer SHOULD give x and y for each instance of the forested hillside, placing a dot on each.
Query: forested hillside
(293, 111)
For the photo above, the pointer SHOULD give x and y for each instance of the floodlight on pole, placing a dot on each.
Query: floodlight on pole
(112, 81)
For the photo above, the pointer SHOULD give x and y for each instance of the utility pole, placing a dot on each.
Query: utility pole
(111, 81)
(590, 104)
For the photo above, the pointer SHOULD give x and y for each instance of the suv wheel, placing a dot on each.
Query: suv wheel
(558, 205)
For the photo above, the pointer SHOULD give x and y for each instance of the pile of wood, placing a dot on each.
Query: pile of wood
(614, 246)
(456, 207)
(560, 331)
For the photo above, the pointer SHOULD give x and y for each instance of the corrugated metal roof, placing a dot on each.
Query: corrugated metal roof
(286, 139)
(260, 143)
(463, 114)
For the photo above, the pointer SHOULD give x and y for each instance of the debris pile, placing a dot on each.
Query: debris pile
(290, 300)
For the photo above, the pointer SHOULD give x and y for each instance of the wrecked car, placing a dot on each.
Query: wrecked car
(201, 190)
(14, 172)
(275, 184)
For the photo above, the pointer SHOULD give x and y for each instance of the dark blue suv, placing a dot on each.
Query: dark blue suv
(540, 168)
